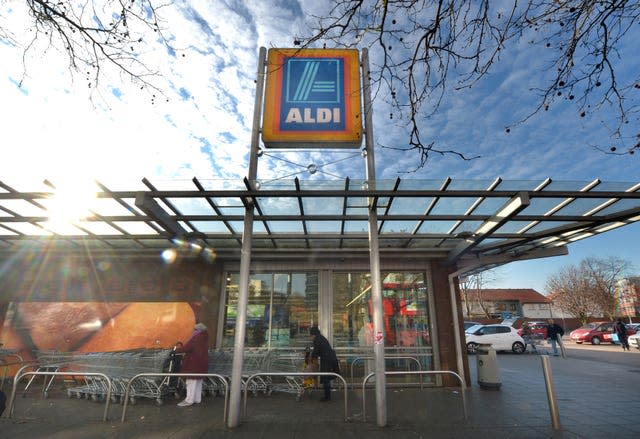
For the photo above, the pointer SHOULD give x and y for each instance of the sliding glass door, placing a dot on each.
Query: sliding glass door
(405, 310)
(280, 310)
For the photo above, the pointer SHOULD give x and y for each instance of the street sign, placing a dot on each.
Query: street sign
(312, 99)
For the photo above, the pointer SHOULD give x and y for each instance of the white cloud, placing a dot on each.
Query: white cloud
(51, 129)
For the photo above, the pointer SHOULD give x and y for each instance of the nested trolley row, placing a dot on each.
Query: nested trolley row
(121, 366)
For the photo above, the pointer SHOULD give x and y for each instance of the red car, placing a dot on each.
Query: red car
(596, 333)
(538, 329)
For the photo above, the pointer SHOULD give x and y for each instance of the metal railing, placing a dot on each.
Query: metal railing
(38, 368)
(391, 357)
(299, 374)
(6, 366)
(222, 378)
(415, 372)
(53, 375)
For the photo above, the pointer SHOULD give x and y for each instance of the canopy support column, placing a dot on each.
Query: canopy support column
(374, 253)
(235, 398)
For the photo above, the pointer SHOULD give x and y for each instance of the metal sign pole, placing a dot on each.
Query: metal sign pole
(374, 253)
(245, 258)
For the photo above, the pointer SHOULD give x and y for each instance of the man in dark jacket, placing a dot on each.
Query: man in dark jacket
(328, 360)
(196, 360)
(553, 332)
(620, 329)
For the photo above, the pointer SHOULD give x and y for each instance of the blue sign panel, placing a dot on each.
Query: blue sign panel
(312, 95)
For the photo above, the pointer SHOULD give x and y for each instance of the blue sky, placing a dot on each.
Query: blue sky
(55, 127)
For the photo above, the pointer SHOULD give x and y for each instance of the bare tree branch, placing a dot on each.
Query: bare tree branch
(94, 34)
(589, 289)
(426, 47)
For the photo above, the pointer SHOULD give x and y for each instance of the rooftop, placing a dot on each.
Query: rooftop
(522, 295)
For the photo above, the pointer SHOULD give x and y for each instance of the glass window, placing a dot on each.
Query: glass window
(281, 308)
(405, 310)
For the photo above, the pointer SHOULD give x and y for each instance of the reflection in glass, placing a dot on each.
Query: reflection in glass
(281, 308)
(405, 310)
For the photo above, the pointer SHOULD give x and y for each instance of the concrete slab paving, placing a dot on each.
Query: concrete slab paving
(595, 400)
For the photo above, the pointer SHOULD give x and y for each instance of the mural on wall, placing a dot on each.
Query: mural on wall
(98, 303)
(81, 280)
(33, 327)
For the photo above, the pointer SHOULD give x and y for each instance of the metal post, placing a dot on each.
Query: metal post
(551, 392)
(245, 258)
(456, 323)
(257, 115)
(374, 252)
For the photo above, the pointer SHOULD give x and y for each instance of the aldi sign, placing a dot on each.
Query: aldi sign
(312, 99)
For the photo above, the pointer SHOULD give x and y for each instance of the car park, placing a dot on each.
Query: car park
(500, 337)
(595, 333)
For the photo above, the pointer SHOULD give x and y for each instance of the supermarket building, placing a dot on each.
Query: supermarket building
(374, 263)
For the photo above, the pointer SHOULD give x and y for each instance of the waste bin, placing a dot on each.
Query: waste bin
(488, 371)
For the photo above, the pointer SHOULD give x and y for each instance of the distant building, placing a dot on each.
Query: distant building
(507, 302)
(628, 297)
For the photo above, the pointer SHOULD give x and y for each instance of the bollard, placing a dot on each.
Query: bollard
(551, 392)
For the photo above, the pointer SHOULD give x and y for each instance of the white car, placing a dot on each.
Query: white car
(634, 340)
(501, 337)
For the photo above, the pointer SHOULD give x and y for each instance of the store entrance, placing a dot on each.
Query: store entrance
(405, 310)
(406, 320)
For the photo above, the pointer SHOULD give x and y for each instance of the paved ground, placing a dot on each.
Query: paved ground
(595, 400)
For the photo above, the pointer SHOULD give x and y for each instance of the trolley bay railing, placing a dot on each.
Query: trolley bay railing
(55, 374)
(298, 374)
(391, 357)
(222, 379)
(415, 372)
(4, 355)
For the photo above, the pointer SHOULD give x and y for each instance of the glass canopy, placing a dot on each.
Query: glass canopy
(453, 219)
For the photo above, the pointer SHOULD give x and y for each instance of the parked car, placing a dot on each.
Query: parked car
(501, 337)
(538, 329)
(634, 340)
(632, 329)
(594, 333)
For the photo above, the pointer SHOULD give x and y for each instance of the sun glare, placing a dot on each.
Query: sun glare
(70, 202)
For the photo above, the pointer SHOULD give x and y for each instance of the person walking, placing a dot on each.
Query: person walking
(553, 332)
(620, 329)
(527, 336)
(196, 360)
(328, 360)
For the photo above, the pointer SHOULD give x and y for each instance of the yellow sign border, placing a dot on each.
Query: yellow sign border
(274, 137)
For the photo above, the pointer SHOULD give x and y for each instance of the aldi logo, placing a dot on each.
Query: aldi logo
(313, 80)
(312, 99)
